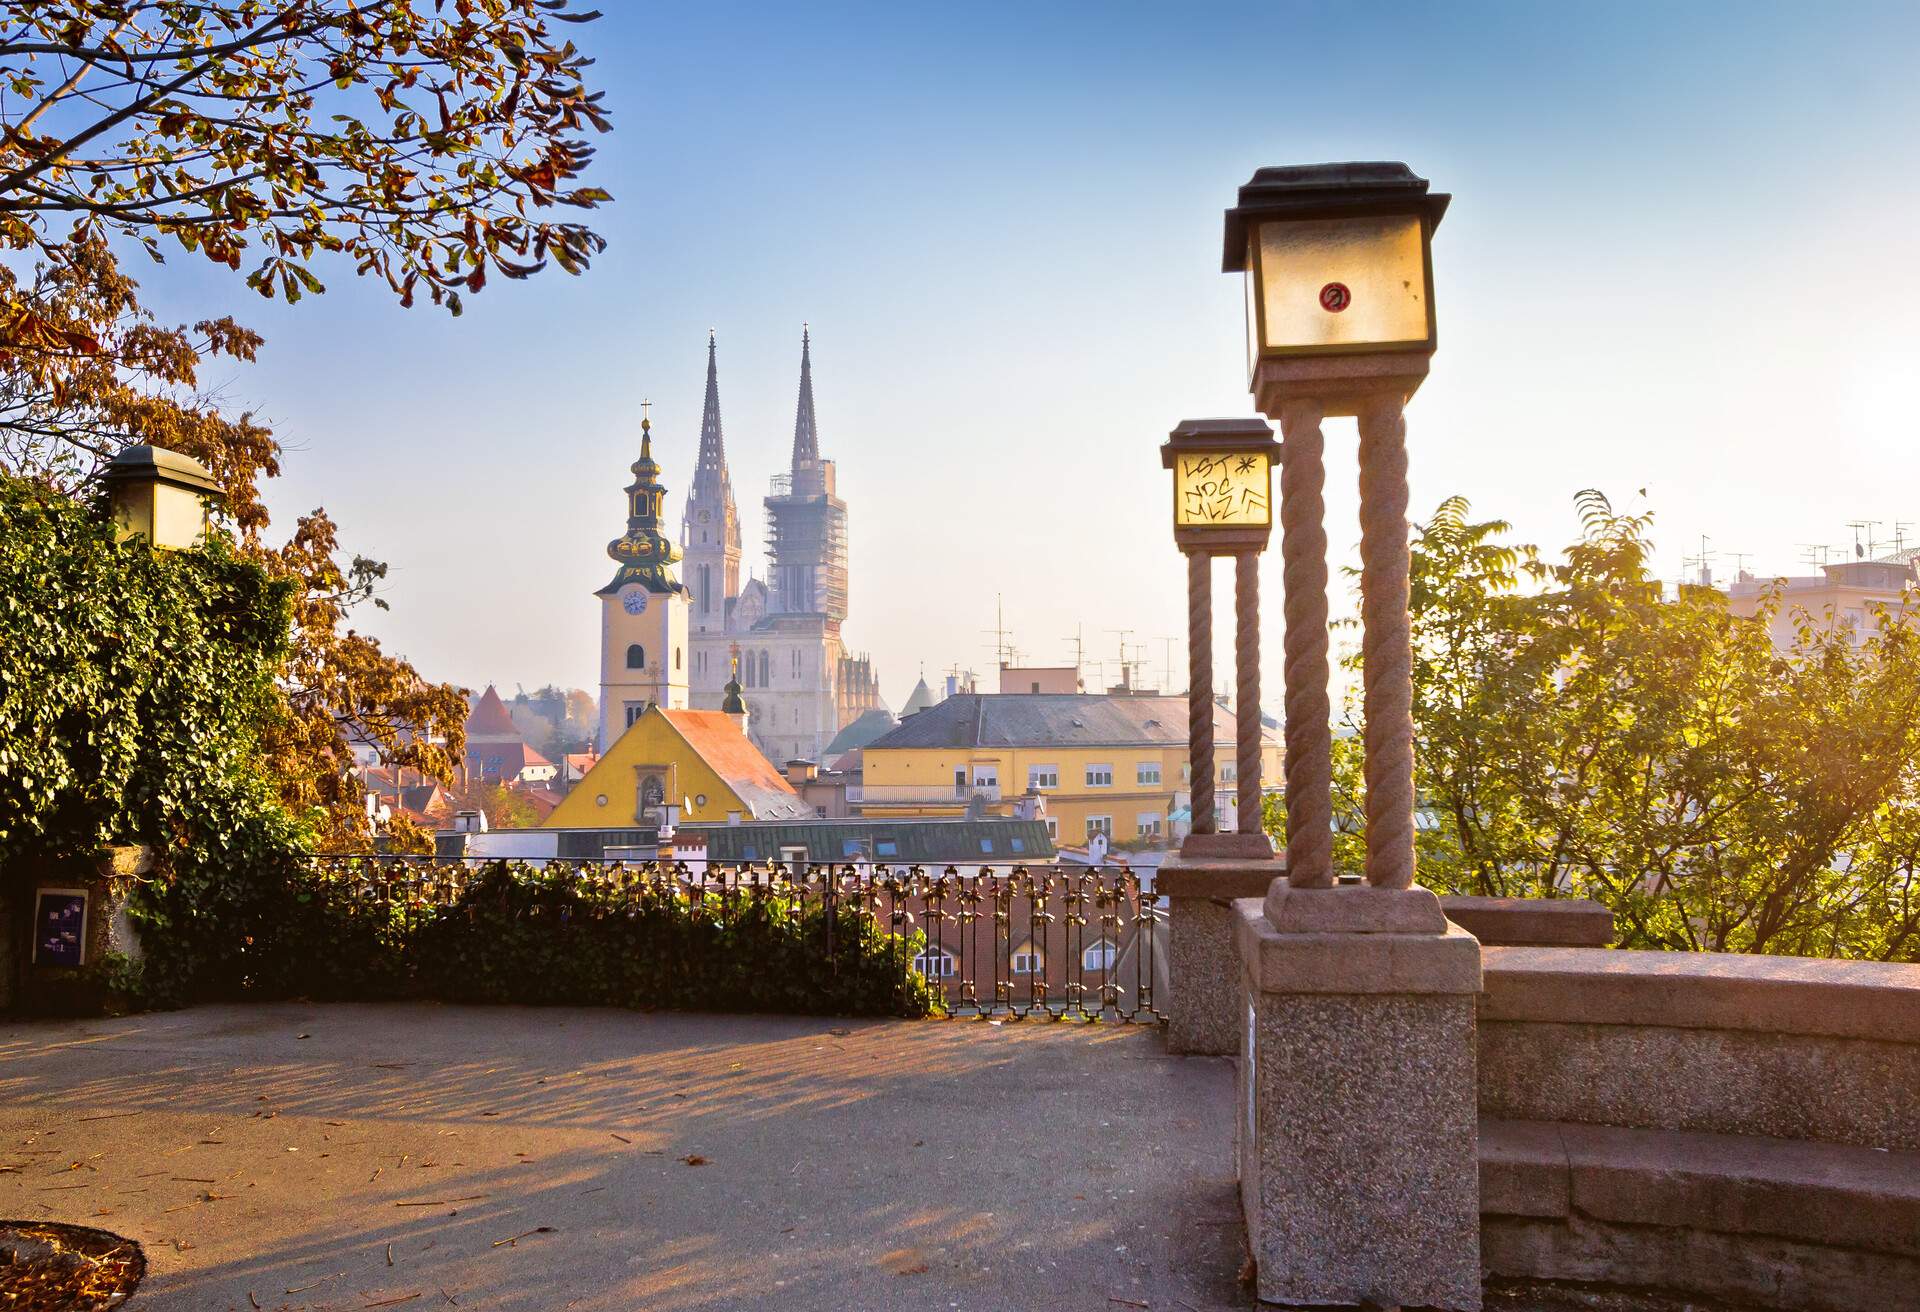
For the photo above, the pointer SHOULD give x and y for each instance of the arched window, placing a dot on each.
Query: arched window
(636, 657)
(676, 658)
(766, 680)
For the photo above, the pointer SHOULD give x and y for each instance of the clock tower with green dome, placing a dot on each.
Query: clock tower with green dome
(643, 615)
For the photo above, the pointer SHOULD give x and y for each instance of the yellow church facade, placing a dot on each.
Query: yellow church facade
(700, 762)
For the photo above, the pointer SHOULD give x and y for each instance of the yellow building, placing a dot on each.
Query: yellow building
(1113, 765)
(698, 761)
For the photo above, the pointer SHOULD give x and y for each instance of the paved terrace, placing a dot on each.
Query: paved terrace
(419, 1156)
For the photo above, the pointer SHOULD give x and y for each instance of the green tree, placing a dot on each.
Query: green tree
(420, 144)
(1581, 732)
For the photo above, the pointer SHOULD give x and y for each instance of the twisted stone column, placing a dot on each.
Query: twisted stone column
(1309, 733)
(1200, 686)
(1387, 644)
(1246, 696)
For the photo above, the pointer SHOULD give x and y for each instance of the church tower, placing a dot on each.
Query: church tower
(710, 529)
(643, 616)
(807, 535)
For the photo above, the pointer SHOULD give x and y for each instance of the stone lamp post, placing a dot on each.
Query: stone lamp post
(1357, 1147)
(1222, 506)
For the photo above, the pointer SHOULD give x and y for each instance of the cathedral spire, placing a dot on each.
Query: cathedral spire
(806, 436)
(711, 481)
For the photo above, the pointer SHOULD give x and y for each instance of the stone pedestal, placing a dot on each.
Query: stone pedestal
(1206, 996)
(1357, 1143)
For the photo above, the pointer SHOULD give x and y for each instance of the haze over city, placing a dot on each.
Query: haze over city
(1003, 224)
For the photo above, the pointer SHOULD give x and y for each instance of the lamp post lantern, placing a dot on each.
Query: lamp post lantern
(1223, 506)
(1338, 265)
(160, 495)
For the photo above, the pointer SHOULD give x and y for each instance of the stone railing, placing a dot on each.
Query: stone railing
(1736, 1128)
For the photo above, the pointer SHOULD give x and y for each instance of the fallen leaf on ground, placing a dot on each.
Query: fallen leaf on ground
(694, 1159)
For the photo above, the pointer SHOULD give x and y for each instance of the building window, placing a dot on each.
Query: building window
(1017, 844)
(1027, 961)
(796, 662)
(1099, 824)
(766, 676)
(1147, 824)
(986, 845)
(1053, 827)
(1099, 956)
(1043, 776)
(1099, 776)
(886, 847)
(960, 783)
(636, 658)
(634, 711)
(986, 776)
(1230, 772)
(936, 965)
(1147, 772)
(676, 658)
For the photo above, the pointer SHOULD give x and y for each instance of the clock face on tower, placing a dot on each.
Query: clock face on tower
(634, 600)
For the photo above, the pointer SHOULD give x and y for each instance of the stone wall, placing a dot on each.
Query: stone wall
(1729, 1127)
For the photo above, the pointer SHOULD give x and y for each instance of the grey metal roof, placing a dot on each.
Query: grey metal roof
(904, 842)
(859, 733)
(1050, 720)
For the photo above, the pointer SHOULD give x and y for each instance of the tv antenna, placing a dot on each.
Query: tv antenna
(1868, 525)
(1123, 635)
(1002, 636)
(1815, 553)
(1703, 563)
(1166, 684)
(1079, 649)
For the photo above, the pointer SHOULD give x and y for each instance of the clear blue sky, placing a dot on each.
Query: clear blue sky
(1681, 257)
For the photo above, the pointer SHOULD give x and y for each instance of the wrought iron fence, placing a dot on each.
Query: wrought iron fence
(1044, 942)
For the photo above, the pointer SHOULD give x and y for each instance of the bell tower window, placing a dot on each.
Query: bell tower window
(636, 657)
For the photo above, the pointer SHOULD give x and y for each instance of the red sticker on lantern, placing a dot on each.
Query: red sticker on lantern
(1335, 297)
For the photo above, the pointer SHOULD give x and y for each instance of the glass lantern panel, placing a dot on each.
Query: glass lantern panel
(1226, 489)
(1352, 282)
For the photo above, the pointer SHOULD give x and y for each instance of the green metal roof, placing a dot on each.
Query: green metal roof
(904, 842)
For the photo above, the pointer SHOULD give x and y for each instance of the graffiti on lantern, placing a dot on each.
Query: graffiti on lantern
(1226, 488)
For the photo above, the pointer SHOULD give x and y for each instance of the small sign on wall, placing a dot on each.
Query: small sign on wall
(60, 927)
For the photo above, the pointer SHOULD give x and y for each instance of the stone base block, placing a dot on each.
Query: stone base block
(1358, 1139)
(1204, 999)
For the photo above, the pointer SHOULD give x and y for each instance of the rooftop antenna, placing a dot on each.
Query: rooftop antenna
(1079, 648)
(1900, 527)
(1166, 670)
(1815, 553)
(1702, 562)
(1002, 636)
(1862, 552)
(1740, 559)
(1123, 635)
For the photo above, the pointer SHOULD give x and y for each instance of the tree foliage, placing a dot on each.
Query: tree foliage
(423, 144)
(1581, 732)
(65, 412)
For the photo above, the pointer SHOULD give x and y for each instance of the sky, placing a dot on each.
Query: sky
(1681, 257)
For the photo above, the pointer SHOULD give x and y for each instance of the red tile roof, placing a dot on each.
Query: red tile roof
(496, 760)
(719, 742)
(490, 718)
